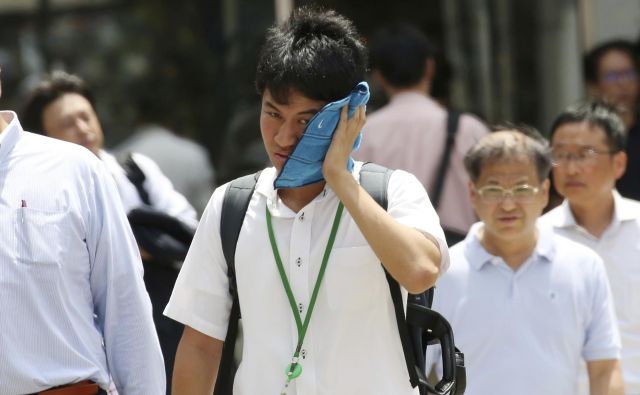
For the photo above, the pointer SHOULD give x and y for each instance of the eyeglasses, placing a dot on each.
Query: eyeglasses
(492, 194)
(620, 76)
(585, 157)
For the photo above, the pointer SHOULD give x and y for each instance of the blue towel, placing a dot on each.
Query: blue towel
(304, 165)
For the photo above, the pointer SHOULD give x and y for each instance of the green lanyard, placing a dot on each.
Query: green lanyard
(294, 369)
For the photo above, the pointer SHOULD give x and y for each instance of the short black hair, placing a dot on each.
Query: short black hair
(316, 52)
(54, 86)
(592, 58)
(399, 53)
(509, 143)
(596, 113)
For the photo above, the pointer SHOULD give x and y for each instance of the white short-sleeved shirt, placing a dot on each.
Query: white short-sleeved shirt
(619, 247)
(526, 332)
(352, 345)
(162, 195)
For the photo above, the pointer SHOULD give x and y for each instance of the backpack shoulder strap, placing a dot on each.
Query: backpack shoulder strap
(234, 207)
(135, 175)
(452, 128)
(375, 180)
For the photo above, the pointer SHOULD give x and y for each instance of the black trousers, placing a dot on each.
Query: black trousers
(159, 280)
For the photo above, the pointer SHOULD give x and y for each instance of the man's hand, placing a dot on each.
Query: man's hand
(334, 167)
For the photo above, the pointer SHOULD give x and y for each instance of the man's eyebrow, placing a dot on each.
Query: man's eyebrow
(310, 111)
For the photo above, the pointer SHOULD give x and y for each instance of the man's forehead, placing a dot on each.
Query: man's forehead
(579, 134)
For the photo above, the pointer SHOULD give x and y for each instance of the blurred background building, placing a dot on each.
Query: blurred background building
(189, 65)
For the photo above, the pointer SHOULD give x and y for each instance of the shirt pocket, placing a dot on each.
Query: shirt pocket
(354, 278)
(41, 236)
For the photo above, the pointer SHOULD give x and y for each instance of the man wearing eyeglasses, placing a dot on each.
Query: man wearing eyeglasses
(526, 306)
(611, 70)
(588, 144)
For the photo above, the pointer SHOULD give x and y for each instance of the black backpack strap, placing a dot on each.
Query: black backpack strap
(375, 179)
(452, 129)
(136, 176)
(234, 207)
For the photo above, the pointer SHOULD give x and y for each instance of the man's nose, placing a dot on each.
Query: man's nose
(288, 135)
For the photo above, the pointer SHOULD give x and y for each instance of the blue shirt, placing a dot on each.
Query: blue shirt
(72, 301)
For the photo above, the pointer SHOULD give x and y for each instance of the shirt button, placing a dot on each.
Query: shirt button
(303, 353)
(301, 217)
(300, 307)
(299, 262)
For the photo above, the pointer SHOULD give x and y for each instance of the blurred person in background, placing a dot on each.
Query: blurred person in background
(163, 222)
(612, 73)
(74, 313)
(412, 130)
(515, 291)
(588, 142)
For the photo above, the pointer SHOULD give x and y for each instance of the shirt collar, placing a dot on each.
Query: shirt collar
(478, 257)
(11, 133)
(622, 211)
(403, 97)
(264, 187)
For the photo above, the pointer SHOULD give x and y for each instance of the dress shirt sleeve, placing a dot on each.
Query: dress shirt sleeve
(121, 303)
(410, 205)
(602, 340)
(201, 298)
(162, 194)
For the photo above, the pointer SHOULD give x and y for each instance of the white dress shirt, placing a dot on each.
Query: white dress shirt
(352, 345)
(72, 302)
(619, 247)
(526, 332)
(162, 196)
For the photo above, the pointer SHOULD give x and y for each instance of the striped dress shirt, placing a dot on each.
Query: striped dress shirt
(73, 305)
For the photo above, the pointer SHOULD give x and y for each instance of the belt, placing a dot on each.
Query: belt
(86, 387)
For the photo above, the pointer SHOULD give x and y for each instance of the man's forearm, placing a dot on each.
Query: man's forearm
(605, 377)
(196, 367)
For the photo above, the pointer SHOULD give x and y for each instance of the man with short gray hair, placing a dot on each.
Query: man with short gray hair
(517, 292)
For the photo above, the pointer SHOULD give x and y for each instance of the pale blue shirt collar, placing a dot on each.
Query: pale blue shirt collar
(622, 211)
(11, 133)
(478, 257)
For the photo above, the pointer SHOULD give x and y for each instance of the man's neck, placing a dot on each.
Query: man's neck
(297, 198)
(595, 216)
(3, 124)
(422, 88)
(513, 252)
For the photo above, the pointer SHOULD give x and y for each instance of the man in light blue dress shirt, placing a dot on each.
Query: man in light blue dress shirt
(73, 307)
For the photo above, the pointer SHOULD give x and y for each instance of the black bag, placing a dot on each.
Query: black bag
(165, 237)
(422, 325)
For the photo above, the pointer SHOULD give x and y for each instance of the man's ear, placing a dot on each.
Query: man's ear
(430, 69)
(546, 187)
(593, 90)
(619, 164)
(380, 80)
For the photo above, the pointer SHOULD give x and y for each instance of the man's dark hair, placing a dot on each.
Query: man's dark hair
(595, 113)
(399, 52)
(592, 58)
(518, 142)
(315, 52)
(49, 90)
